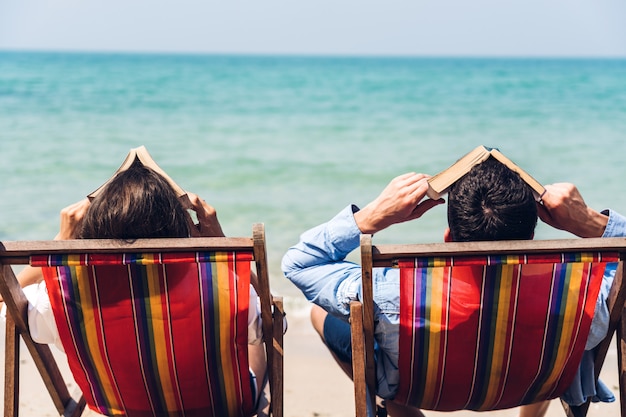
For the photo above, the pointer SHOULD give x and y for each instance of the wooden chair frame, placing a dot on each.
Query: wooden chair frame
(362, 314)
(73, 404)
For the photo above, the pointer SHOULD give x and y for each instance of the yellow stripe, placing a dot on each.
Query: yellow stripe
(73, 260)
(500, 335)
(91, 333)
(149, 258)
(439, 262)
(575, 272)
(224, 294)
(513, 259)
(587, 257)
(158, 323)
(435, 293)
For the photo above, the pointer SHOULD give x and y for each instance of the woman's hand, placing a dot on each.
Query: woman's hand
(208, 225)
(72, 220)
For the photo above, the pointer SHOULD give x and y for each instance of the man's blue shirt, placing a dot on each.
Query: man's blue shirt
(317, 266)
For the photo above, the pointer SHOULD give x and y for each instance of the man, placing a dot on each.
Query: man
(497, 203)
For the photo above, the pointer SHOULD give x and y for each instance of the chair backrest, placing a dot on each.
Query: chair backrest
(160, 326)
(157, 334)
(490, 325)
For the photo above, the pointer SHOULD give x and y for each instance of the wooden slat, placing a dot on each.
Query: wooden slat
(621, 362)
(17, 252)
(277, 359)
(386, 254)
(368, 315)
(358, 359)
(263, 290)
(11, 369)
(76, 404)
(14, 298)
(263, 285)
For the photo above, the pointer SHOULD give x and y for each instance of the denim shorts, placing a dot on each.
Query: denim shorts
(338, 338)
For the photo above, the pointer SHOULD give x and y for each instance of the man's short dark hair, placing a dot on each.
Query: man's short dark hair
(491, 202)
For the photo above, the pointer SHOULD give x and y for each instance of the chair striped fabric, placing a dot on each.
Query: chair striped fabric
(136, 341)
(484, 333)
(487, 325)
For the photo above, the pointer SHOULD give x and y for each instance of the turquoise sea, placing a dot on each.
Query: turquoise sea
(290, 141)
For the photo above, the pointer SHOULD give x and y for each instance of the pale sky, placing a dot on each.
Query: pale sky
(595, 28)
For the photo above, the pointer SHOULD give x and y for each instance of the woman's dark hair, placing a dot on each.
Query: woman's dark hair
(491, 202)
(137, 203)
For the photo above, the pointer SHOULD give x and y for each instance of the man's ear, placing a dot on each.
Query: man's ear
(447, 236)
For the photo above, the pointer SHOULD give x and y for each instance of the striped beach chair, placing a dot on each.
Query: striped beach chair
(157, 327)
(488, 325)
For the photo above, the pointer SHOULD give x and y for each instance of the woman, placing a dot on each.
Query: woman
(137, 203)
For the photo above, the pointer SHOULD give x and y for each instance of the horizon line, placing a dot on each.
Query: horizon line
(284, 54)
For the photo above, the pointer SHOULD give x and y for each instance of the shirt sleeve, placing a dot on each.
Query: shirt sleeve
(616, 227)
(43, 328)
(255, 327)
(317, 265)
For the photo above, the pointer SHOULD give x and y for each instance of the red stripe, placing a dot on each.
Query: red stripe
(99, 325)
(407, 318)
(243, 300)
(528, 339)
(119, 324)
(463, 323)
(187, 335)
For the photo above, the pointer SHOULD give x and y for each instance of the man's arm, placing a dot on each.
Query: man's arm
(317, 266)
(399, 202)
(564, 208)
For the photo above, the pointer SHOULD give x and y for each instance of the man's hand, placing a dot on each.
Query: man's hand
(72, 220)
(208, 225)
(399, 202)
(564, 208)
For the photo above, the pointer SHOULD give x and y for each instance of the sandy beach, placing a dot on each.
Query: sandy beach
(314, 385)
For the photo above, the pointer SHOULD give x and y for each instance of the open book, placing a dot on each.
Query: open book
(141, 154)
(440, 183)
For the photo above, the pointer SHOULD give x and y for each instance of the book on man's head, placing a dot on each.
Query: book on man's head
(141, 155)
(440, 184)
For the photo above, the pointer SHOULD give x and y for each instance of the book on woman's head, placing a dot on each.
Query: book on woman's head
(141, 155)
(439, 184)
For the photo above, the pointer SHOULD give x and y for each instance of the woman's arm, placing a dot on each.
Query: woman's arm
(71, 221)
(208, 225)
